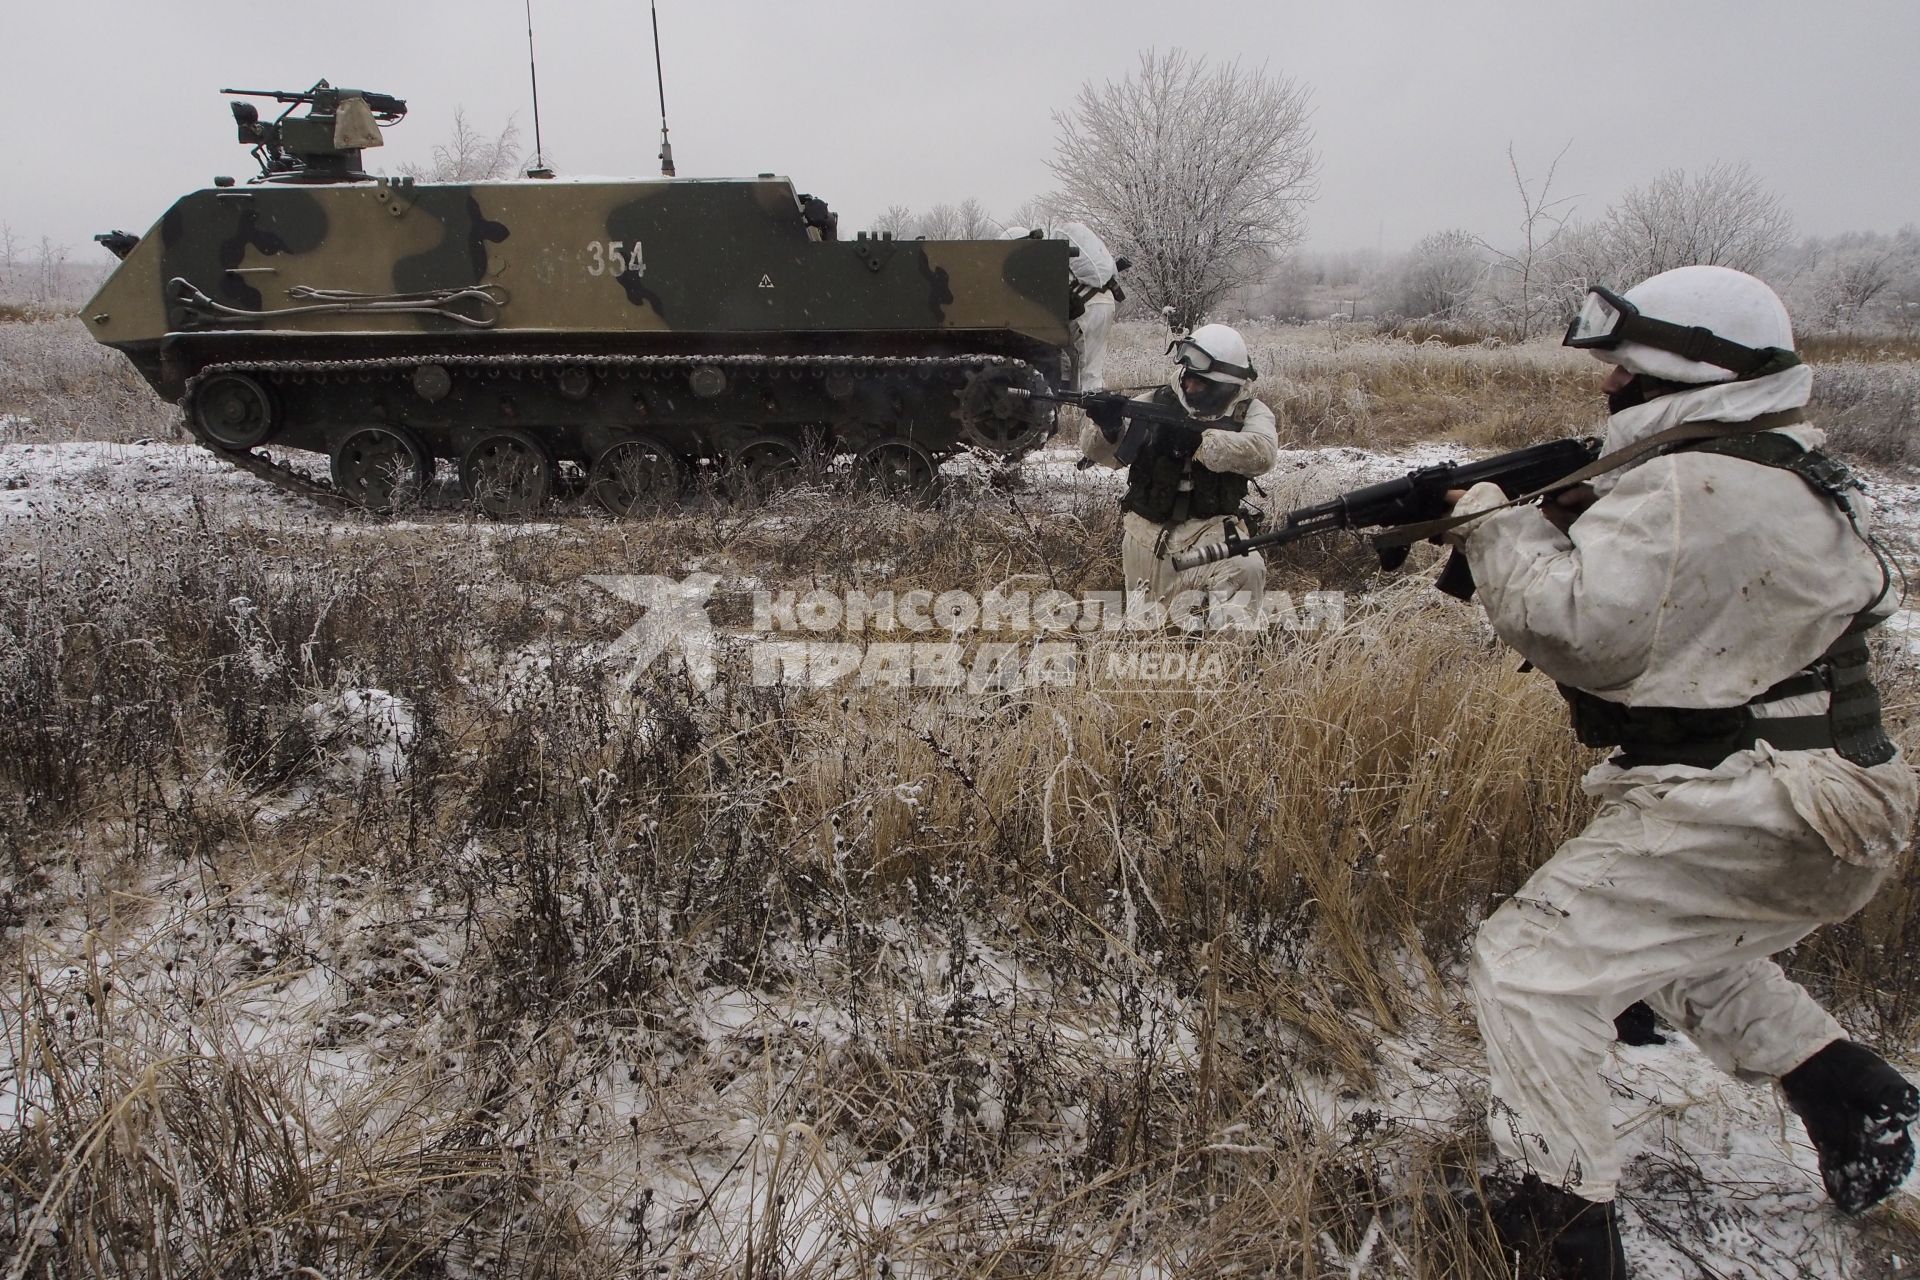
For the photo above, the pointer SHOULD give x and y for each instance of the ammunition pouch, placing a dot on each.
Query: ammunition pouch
(1154, 489)
(1168, 490)
(1704, 737)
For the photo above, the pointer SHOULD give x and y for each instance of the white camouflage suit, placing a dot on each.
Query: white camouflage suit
(1696, 580)
(1147, 548)
(1093, 268)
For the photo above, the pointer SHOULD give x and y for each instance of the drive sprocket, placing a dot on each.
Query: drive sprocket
(1003, 424)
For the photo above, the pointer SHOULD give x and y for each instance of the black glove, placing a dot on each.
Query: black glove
(1107, 411)
(1178, 439)
(1637, 1024)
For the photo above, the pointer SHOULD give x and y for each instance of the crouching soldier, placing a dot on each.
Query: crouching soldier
(1704, 609)
(1187, 477)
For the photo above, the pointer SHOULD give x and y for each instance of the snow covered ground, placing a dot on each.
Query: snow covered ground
(1721, 1181)
(40, 480)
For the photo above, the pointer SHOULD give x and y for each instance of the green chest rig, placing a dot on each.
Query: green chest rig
(1167, 490)
(1851, 724)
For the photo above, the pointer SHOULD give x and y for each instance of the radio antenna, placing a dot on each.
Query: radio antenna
(538, 169)
(666, 147)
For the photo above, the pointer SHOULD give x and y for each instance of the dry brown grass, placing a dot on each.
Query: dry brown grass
(1337, 384)
(757, 981)
(1868, 348)
(1353, 385)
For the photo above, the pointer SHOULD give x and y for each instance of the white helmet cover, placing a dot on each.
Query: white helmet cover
(1733, 304)
(1218, 353)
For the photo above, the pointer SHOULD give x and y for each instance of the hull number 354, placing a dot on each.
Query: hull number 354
(615, 257)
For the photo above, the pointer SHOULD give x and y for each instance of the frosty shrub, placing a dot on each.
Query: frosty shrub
(57, 383)
(1871, 410)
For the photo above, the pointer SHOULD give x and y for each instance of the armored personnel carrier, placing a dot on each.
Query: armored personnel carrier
(619, 332)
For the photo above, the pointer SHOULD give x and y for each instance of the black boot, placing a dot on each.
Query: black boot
(1856, 1109)
(1557, 1235)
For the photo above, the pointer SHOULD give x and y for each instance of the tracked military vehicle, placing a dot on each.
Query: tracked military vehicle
(616, 332)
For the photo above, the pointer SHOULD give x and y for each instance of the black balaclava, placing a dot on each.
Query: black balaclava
(1210, 396)
(1640, 389)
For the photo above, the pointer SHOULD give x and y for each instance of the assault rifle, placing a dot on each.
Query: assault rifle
(1140, 416)
(1414, 498)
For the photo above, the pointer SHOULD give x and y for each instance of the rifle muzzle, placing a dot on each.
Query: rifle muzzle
(1204, 555)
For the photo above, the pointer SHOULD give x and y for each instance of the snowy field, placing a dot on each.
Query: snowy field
(377, 940)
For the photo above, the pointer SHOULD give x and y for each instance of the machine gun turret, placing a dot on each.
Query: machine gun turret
(324, 145)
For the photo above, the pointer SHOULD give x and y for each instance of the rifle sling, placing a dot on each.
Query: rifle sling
(1408, 534)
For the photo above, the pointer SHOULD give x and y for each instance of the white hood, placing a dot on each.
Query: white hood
(1712, 402)
(1093, 265)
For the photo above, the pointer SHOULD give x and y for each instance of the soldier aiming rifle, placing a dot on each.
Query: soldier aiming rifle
(1701, 592)
(1191, 449)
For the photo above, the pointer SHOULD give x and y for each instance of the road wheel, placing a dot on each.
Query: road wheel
(507, 473)
(381, 468)
(763, 466)
(634, 476)
(233, 411)
(898, 469)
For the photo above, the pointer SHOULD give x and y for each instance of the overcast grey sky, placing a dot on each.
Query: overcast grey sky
(109, 108)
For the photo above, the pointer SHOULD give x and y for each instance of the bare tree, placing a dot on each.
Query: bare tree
(1284, 292)
(1856, 281)
(9, 246)
(1849, 275)
(1527, 283)
(1722, 216)
(1441, 276)
(897, 221)
(1197, 174)
(975, 222)
(48, 271)
(471, 156)
(942, 222)
(1903, 296)
(1032, 212)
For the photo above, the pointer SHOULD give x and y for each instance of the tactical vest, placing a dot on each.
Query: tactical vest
(1706, 736)
(1079, 295)
(1167, 490)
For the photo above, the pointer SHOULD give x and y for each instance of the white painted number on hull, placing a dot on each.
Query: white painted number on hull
(610, 257)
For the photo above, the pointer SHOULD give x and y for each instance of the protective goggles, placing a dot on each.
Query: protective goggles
(1197, 360)
(1605, 320)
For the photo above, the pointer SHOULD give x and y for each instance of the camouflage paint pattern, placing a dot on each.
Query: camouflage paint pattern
(614, 267)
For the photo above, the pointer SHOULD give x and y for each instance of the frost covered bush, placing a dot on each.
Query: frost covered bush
(57, 383)
(1871, 411)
